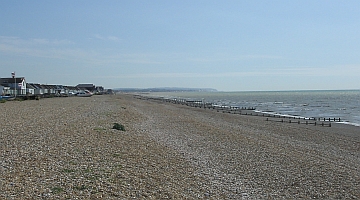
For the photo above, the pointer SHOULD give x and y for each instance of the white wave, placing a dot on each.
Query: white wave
(349, 123)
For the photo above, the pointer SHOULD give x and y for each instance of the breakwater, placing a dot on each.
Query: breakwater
(251, 111)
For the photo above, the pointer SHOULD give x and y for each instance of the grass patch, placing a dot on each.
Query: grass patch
(72, 163)
(2, 101)
(116, 155)
(88, 170)
(57, 190)
(82, 187)
(19, 99)
(119, 127)
(99, 129)
(94, 177)
(68, 170)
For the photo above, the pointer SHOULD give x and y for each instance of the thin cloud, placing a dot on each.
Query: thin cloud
(106, 38)
(180, 75)
(43, 52)
(37, 41)
(16, 41)
(113, 38)
(260, 57)
(61, 49)
(225, 57)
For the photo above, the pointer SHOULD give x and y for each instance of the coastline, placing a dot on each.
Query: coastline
(339, 104)
(65, 147)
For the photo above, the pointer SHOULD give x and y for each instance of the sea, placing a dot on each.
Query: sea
(343, 104)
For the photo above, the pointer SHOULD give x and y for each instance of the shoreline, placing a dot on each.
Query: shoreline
(66, 148)
(300, 108)
(322, 121)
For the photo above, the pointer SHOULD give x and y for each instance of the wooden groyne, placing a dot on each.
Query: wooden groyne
(326, 122)
(301, 121)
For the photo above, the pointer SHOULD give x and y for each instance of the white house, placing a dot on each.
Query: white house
(17, 85)
(2, 90)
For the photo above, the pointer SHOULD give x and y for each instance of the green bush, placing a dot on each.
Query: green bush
(119, 127)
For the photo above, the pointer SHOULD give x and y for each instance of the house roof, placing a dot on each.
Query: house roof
(30, 86)
(71, 87)
(50, 86)
(37, 85)
(34, 85)
(12, 80)
(87, 85)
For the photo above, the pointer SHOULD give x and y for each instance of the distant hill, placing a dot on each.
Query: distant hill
(165, 89)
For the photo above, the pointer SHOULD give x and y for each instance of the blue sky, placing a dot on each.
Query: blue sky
(227, 45)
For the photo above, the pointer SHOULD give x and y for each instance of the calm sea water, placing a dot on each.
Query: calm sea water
(344, 104)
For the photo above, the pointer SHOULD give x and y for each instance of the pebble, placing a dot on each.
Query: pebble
(65, 148)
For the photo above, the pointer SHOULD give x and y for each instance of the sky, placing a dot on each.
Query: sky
(228, 45)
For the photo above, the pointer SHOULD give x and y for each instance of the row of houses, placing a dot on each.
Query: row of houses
(19, 86)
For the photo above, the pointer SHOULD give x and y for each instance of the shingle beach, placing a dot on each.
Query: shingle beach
(65, 148)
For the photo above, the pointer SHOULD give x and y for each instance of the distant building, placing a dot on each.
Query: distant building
(36, 88)
(19, 86)
(2, 91)
(109, 91)
(88, 86)
(15, 84)
(99, 90)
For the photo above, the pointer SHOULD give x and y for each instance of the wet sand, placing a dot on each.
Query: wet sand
(66, 148)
